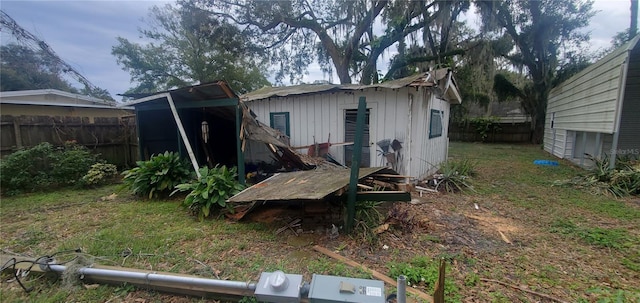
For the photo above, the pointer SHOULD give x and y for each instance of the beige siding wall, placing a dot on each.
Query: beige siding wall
(322, 114)
(587, 101)
(554, 141)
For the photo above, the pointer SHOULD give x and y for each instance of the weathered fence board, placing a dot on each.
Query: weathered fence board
(114, 138)
(507, 133)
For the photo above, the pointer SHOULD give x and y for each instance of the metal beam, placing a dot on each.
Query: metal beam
(191, 104)
(355, 164)
(183, 134)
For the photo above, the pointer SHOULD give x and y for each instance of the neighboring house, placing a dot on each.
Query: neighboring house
(597, 111)
(30, 117)
(53, 102)
(406, 124)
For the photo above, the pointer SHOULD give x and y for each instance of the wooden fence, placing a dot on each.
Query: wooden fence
(506, 133)
(112, 137)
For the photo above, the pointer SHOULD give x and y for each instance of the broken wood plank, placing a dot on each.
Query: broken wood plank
(382, 184)
(504, 237)
(390, 176)
(374, 273)
(330, 144)
(426, 189)
(365, 186)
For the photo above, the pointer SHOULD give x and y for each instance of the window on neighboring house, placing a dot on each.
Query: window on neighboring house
(435, 124)
(280, 121)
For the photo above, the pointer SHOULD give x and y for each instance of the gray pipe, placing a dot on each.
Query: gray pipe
(151, 277)
(402, 289)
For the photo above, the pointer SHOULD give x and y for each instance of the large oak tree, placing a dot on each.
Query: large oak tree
(189, 46)
(547, 37)
(348, 36)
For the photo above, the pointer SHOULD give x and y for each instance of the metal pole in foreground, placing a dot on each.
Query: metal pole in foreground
(152, 279)
(402, 289)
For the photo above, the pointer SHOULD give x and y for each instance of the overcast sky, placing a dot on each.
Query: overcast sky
(83, 32)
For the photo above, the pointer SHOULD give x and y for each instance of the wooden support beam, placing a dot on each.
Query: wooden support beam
(390, 196)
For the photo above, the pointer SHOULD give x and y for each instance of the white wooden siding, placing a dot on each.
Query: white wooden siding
(321, 114)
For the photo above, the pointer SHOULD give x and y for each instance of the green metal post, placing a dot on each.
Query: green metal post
(355, 164)
(241, 176)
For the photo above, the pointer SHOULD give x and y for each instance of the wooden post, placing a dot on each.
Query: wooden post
(355, 164)
(438, 293)
(16, 131)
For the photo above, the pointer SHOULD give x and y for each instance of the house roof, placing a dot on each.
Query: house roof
(67, 99)
(441, 77)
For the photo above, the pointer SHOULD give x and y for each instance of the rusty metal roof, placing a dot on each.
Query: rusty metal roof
(301, 185)
(425, 79)
(216, 90)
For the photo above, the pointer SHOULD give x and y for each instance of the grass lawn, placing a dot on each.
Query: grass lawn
(559, 241)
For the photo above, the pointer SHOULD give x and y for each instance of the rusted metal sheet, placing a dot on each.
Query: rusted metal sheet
(301, 185)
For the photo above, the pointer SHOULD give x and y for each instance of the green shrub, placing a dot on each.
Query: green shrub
(484, 126)
(619, 181)
(44, 166)
(100, 173)
(423, 271)
(158, 176)
(71, 163)
(367, 218)
(212, 190)
(455, 175)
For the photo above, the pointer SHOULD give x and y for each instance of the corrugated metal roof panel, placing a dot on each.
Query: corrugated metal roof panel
(207, 91)
(427, 79)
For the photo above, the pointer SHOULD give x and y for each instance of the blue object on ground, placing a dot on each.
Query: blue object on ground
(545, 162)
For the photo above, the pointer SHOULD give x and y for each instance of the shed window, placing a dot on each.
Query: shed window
(280, 121)
(435, 124)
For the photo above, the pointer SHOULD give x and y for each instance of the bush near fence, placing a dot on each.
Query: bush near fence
(112, 137)
(505, 133)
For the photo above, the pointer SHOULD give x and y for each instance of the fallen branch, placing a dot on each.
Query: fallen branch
(374, 273)
(525, 290)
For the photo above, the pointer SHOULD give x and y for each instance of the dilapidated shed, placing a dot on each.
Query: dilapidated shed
(597, 111)
(406, 125)
(205, 122)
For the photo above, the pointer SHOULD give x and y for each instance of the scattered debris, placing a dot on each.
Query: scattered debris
(290, 226)
(382, 228)
(333, 232)
(524, 289)
(504, 238)
(110, 197)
